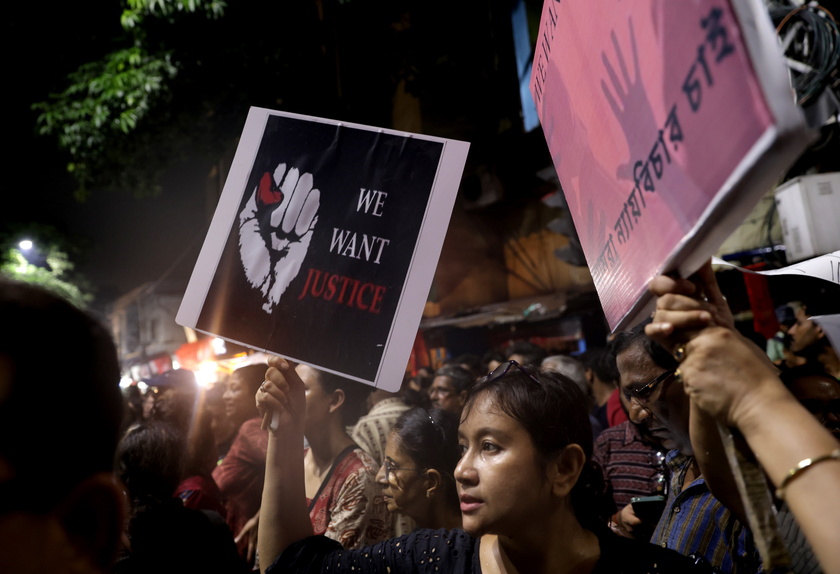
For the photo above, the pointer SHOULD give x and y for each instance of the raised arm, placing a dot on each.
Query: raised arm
(284, 518)
(732, 381)
(683, 308)
(727, 377)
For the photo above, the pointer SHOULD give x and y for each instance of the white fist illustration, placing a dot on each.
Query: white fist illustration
(275, 229)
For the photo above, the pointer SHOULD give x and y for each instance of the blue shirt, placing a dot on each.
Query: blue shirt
(695, 522)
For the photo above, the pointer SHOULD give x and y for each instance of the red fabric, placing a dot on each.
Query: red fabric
(419, 354)
(765, 322)
(350, 508)
(615, 412)
(241, 475)
(200, 493)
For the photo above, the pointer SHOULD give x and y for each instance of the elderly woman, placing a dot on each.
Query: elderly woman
(418, 473)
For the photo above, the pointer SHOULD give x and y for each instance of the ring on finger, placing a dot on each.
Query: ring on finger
(678, 376)
(262, 386)
(679, 353)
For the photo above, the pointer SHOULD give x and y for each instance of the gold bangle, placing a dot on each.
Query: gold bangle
(801, 467)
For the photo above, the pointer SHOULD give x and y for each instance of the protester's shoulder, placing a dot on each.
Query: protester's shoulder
(251, 442)
(612, 438)
(394, 406)
(423, 550)
(252, 427)
(252, 435)
(356, 473)
(613, 433)
(359, 459)
(626, 556)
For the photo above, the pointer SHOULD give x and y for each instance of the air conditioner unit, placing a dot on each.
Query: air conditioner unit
(809, 212)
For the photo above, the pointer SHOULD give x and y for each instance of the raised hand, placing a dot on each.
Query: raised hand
(624, 521)
(275, 230)
(250, 530)
(684, 306)
(283, 396)
(729, 377)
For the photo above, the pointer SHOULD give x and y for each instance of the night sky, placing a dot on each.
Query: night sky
(124, 242)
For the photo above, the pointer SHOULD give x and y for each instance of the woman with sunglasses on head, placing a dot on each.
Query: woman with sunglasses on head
(417, 475)
(531, 499)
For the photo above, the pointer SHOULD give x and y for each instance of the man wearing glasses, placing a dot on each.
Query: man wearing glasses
(694, 521)
(449, 388)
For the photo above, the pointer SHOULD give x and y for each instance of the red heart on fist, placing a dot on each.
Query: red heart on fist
(268, 193)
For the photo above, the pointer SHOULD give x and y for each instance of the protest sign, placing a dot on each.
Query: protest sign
(666, 123)
(324, 243)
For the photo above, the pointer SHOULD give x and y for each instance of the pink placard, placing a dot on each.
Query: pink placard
(648, 108)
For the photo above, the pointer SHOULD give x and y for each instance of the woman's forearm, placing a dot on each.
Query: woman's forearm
(781, 436)
(284, 518)
(711, 456)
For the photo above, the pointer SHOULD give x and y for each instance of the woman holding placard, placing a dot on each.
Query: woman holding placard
(531, 499)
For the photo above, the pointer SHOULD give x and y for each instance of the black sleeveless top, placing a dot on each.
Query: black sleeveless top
(427, 551)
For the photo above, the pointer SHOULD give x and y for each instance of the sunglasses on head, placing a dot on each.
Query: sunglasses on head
(504, 369)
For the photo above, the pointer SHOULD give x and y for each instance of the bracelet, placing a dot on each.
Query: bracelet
(803, 465)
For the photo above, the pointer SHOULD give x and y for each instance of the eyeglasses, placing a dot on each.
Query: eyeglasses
(642, 394)
(503, 370)
(390, 468)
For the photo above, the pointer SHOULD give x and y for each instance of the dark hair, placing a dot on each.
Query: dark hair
(636, 336)
(469, 361)
(63, 374)
(416, 397)
(822, 299)
(133, 406)
(785, 315)
(252, 375)
(354, 394)
(430, 438)
(532, 354)
(150, 462)
(554, 412)
(459, 377)
(602, 364)
(489, 357)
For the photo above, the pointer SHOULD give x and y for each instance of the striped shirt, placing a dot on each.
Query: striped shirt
(631, 466)
(695, 522)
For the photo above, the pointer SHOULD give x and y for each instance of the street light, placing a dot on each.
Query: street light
(33, 255)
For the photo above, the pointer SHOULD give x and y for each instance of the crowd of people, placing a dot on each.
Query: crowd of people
(518, 460)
